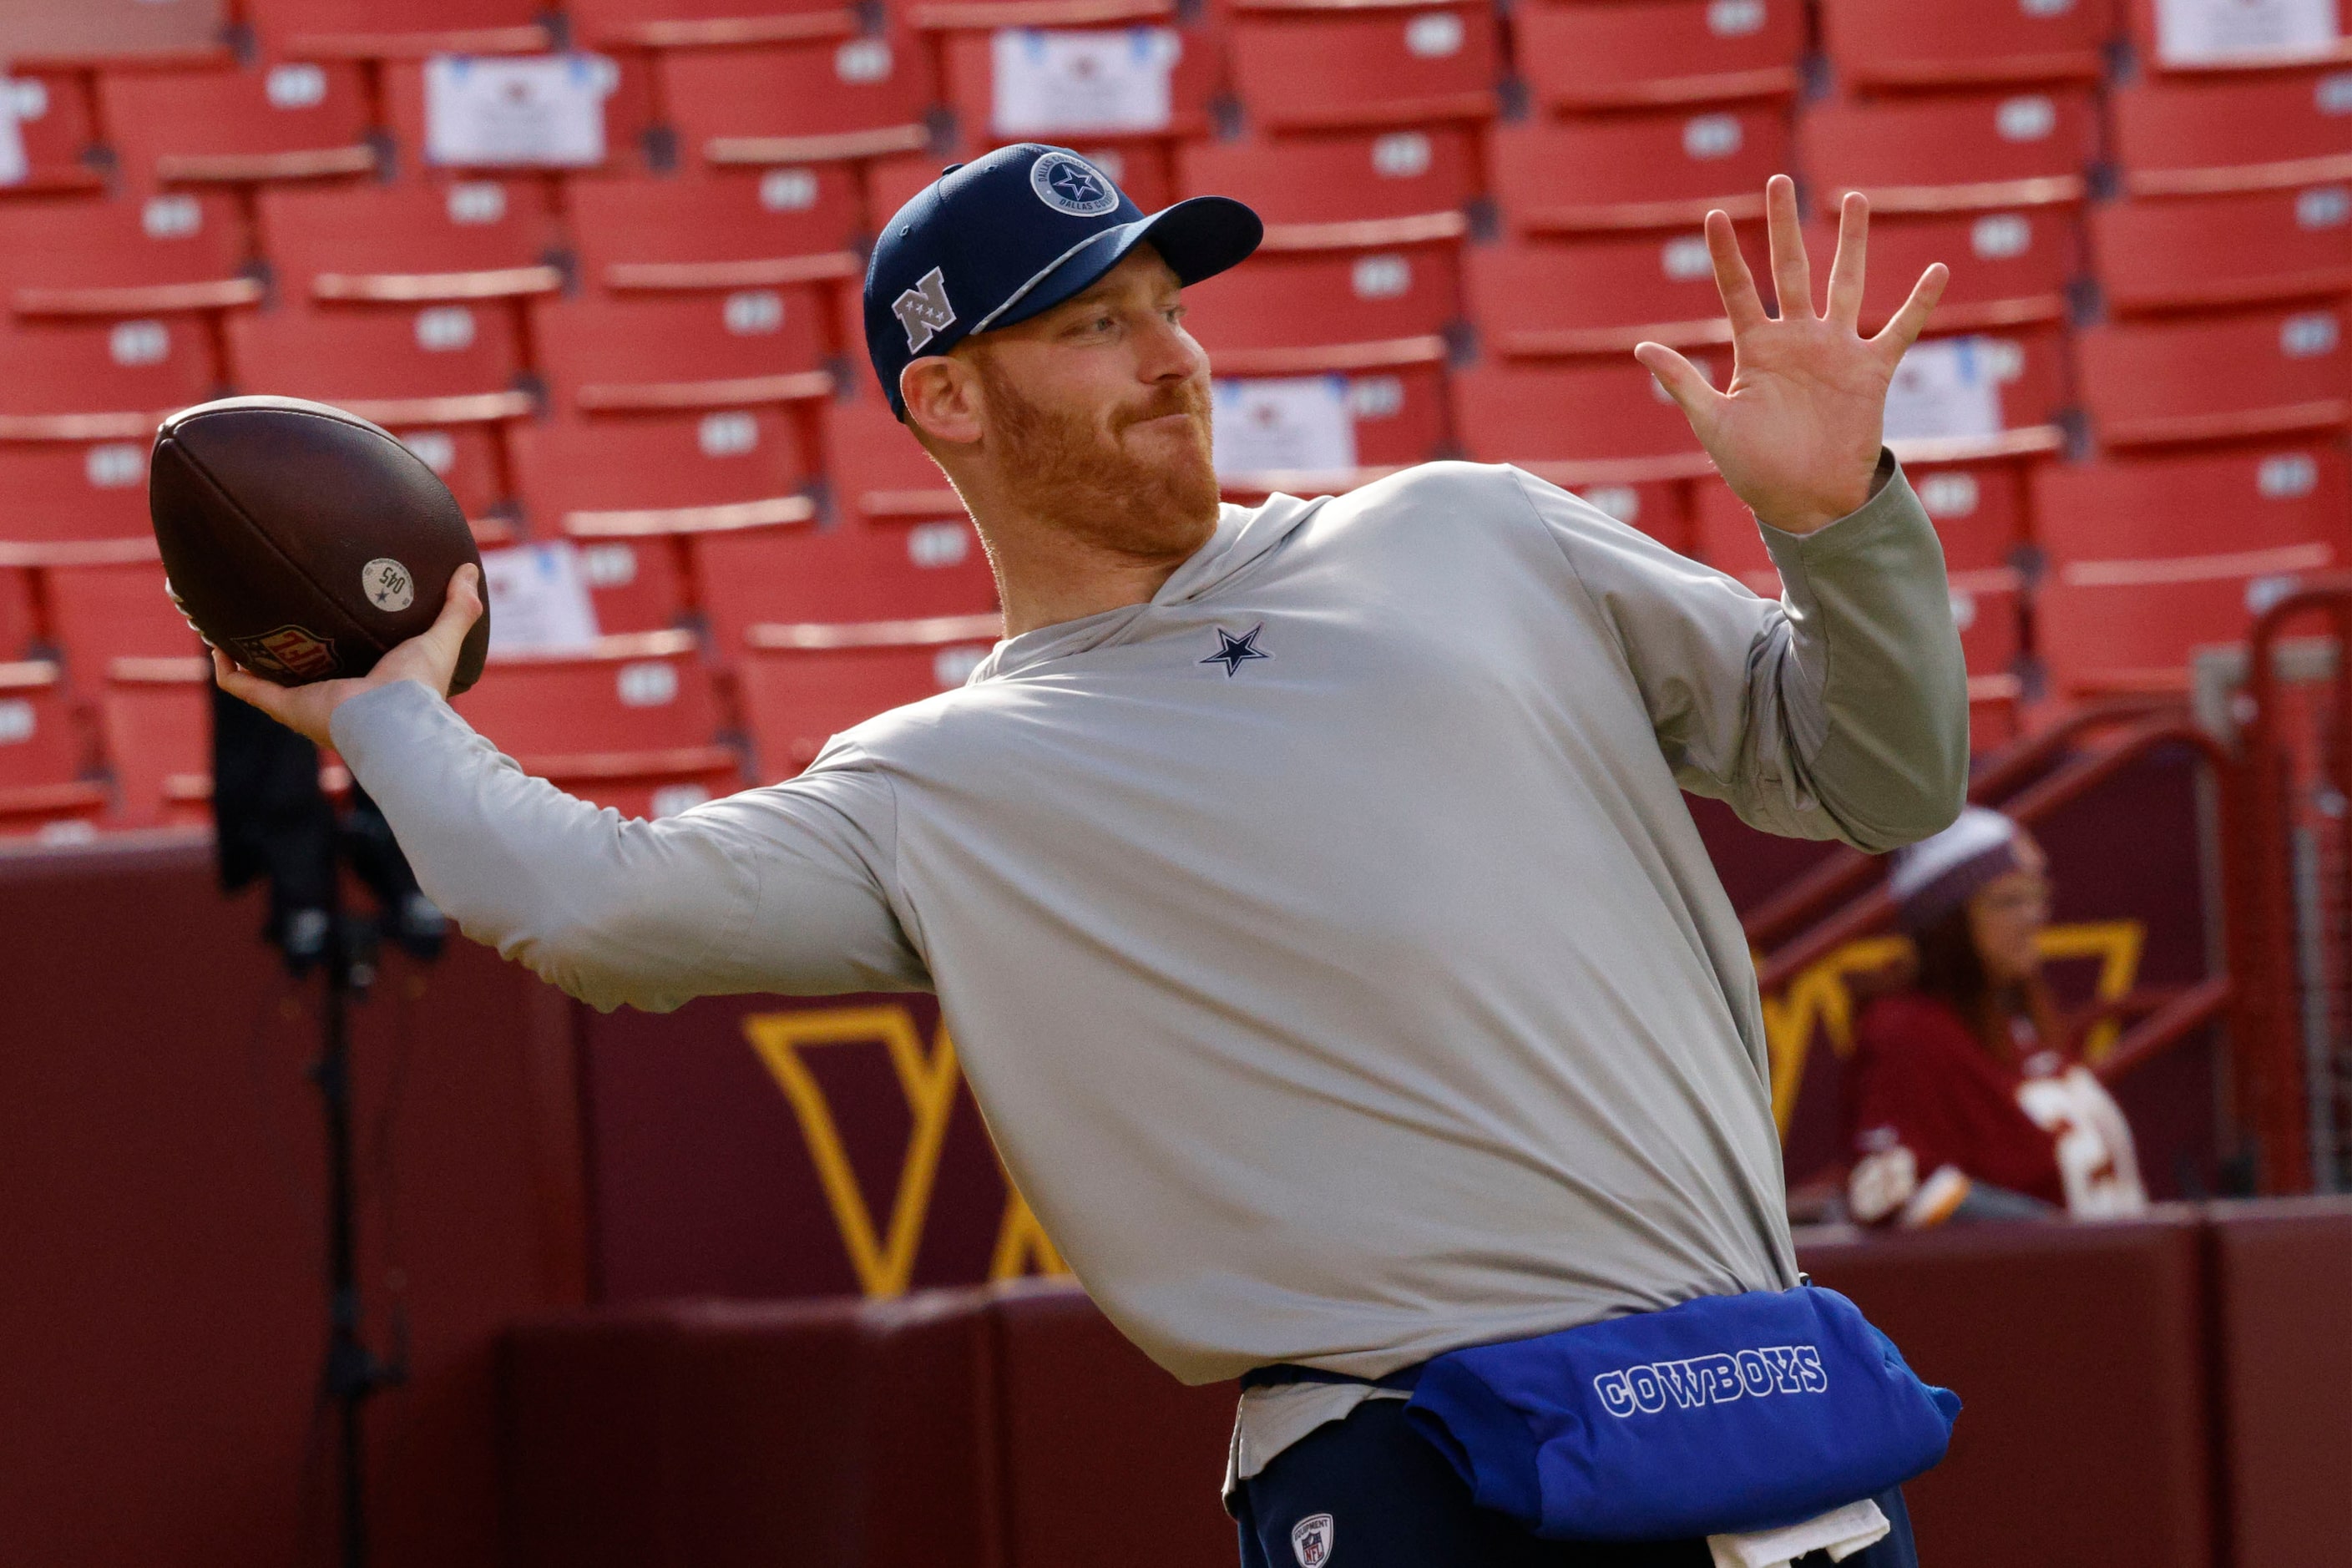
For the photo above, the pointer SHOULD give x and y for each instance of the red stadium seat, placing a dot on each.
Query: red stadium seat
(439, 376)
(2260, 130)
(824, 102)
(80, 34)
(1307, 290)
(67, 490)
(1644, 53)
(1600, 294)
(1948, 43)
(66, 257)
(155, 715)
(111, 609)
(988, 118)
(18, 624)
(52, 111)
(2240, 247)
(635, 584)
(1954, 154)
(804, 684)
(362, 29)
(648, 692)
(1580, 422)
(1320, 181)
(85, 366)
(293, 120)
(701, 24)
(1395, 391)
(632, 723)
(627, 107)
(891, 182)
(734, 229)
(2224, 377)
(1639, 171)
(40, 755)
(345, 354)
(630, 489)
(684, 338)
(2032, 375)
(878, 469)
(852, 571)
(1298, 68)
(1362, 242)
(621, 463)
(417, 243)
(2255, 42)
(2153, 556)
(1143, 169)
(2008, 266)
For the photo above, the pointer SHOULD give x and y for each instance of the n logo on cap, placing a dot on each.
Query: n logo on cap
(924, 310)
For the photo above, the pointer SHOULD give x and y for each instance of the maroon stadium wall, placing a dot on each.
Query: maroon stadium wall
(159, 1147)
(163, 1227)
(2167, 1392)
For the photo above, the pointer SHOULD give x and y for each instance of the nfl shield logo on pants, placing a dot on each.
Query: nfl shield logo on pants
(1312, 1538)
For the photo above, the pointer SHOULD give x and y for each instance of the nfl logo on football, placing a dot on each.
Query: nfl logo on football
(1312, 1538)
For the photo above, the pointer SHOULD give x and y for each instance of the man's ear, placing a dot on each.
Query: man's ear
(942, 397)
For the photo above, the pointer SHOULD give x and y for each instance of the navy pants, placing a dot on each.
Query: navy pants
(1369, 1492)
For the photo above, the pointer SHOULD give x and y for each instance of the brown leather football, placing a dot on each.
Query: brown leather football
(302, 541)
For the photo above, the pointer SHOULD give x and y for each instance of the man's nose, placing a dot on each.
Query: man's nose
(1167, 351)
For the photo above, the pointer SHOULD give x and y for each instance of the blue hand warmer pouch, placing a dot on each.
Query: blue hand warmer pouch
(1723, 1414)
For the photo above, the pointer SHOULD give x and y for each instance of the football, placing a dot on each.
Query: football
(304, 541)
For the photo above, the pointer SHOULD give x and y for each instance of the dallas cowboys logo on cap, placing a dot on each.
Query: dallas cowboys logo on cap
(1012, 235)
(1068, 183)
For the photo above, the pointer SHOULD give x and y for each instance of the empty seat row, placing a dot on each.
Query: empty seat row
(632, 723)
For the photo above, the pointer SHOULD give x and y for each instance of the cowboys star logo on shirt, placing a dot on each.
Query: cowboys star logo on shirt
(1311, 1539)
(924, 310)
(1068, 183)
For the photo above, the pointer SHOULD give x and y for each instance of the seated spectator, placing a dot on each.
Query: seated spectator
(1963, 1103)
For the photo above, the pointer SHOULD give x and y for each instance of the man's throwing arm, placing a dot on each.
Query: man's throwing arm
(775, 889)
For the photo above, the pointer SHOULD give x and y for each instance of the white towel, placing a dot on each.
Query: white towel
(1841, 1532)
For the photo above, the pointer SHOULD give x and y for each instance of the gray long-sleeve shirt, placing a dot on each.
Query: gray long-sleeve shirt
(1326, 941)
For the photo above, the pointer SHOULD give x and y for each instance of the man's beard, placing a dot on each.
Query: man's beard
(1070, 474)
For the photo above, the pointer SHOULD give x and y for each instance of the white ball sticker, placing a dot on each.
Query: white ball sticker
(388, 584)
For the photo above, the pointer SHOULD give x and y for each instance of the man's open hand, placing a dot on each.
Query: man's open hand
(430, 657)
(1797, 435)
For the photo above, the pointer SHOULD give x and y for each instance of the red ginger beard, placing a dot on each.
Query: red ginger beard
(1066, 470)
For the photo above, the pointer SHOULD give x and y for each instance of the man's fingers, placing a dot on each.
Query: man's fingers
(1898, 336)
(1792, 275)
(1683, 384)
(246, 686)
(1852, 251)
(460, 608)
(1732, 279)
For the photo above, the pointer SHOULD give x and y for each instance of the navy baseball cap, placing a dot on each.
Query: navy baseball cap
(1012, 235)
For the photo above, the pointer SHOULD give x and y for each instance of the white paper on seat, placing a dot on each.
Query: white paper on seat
(1292, 423)
(539, 599)
(527, 110)
(1944, 389)
(13, 166)
(1067, 82)
(2209, 32)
